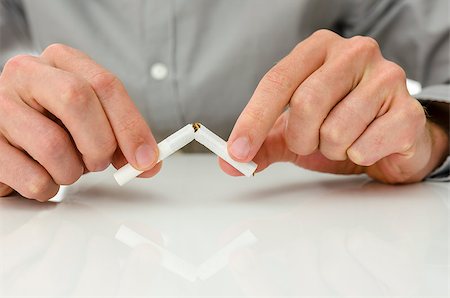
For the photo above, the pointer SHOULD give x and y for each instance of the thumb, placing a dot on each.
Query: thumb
(273, 150)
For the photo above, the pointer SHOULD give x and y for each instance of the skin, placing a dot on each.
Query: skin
(46, 133)
(349, 112)
(336, 105)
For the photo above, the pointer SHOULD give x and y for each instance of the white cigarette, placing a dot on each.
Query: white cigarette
(169, 260)
(166, 147)
(181, 138)
(60, 195)
(217, 145)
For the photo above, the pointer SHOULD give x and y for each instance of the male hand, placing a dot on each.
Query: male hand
(62, 115)
(336, 105)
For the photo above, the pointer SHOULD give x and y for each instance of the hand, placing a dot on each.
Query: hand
(79, 243)
(344, 240)
(62, 115)
(348, 111)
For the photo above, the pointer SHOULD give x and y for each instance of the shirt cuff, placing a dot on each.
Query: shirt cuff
(441, 174)
(439, 93)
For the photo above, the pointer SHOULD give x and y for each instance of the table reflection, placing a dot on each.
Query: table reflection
(327, 237)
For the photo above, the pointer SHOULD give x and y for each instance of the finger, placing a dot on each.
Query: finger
(152, 172)
(273, 150)
(119, 161)
(72, 100)
(408, 167)
(45, 141)
(321, 91)
(229, 169)
(5, 190)
(394, 132)
(273, 94)
(352, 115)
(25, 175)
(132, 133)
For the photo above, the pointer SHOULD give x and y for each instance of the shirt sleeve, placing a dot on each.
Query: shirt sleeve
(436, 100)
(14, 34)
(415, 34)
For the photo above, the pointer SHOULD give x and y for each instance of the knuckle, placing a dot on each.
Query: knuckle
(255, 116)
(16, 63)
(56, 143)
(324, 34)
(365, 44)
(360, 47)
(38, 185)
(99, 159)
(277, 80)
(332, 144)
(130, 125)
(393, 72)
(76, 92)
(330, 134)
(418, 112)
(56, 49)
(407, 136)
(105, 82)
(304, 104)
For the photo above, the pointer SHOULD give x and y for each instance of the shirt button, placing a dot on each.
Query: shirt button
(159, 71)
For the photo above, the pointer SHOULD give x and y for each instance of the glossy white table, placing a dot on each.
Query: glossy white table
(193, 231)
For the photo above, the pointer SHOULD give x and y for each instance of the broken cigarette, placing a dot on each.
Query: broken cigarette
(166, 147)
(180, 139)
(218, 146)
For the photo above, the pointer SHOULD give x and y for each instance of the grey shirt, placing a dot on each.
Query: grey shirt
(216, 51)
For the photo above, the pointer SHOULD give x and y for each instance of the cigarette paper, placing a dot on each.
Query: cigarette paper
(169, 260)
(60, 195)
(166, 147)
(217, 145)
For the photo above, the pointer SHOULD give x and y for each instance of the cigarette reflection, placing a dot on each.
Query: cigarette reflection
(170, 261)
(186, 270)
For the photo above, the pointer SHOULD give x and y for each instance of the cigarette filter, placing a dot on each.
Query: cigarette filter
(166, 147)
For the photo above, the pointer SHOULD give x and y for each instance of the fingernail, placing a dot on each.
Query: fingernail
(102, 166)
(240, 148)
(145, 156)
